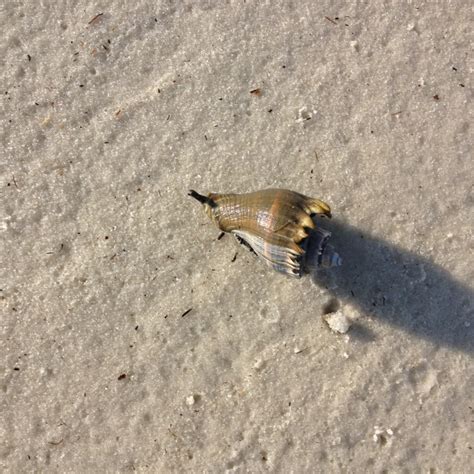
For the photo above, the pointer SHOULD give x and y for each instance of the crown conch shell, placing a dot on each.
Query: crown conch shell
(277, 224)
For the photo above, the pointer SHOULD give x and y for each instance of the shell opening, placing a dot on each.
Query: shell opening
(319, 253)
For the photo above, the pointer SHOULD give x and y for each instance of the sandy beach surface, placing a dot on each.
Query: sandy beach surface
(133, 339)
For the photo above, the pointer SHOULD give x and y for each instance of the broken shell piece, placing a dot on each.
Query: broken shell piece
(305, 114)
(382, 436)
(338, 322)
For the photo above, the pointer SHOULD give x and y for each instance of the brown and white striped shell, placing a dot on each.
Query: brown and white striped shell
(276, 224)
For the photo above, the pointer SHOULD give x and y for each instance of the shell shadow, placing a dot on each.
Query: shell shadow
(399, 287)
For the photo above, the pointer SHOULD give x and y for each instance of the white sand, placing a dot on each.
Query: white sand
(104, 128)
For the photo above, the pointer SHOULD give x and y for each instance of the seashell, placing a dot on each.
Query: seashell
(277, 224)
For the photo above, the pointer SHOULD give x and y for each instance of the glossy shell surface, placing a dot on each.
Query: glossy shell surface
(275, 223)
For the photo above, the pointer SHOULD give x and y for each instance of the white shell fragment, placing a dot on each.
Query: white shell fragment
(190, 400)
(304, 114)
(382, 436)
(338, 322)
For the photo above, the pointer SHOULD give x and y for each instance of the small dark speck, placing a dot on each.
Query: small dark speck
(108, 41)
(186, 312)
(454, 69)
(436, 97)
(283, 67)
(156, 21)
(81, 85)
(219, 237)
(122, 376)
(106, 143)
(16, 368)
(220, 98)
(29, 57)
(270, 111)
(106, 237)
(234, 258)
(36, 103)
(136, 328)
(329, 19)
(462, 85)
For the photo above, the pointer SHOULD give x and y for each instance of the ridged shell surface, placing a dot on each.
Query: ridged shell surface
(273, 222)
